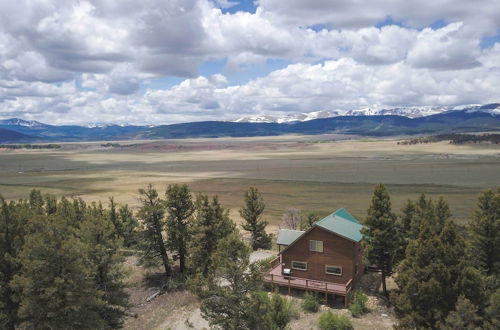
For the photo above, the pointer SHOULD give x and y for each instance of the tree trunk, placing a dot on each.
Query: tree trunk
(384, 287)
(163, 250)
(182, 261)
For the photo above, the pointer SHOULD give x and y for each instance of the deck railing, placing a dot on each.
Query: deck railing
(308, 284)
(274, 263)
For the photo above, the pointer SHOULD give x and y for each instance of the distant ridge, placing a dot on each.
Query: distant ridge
(410, 112)
(7, 135)
(469, 119)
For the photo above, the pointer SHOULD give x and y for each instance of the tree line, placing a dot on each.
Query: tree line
(454, 138)
(447, 278)
(30, 146)
(61, 260)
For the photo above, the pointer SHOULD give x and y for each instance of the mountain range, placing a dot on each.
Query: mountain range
(383, 122)
(410, 112)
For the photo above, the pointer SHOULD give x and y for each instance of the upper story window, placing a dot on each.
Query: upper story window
(316, 246)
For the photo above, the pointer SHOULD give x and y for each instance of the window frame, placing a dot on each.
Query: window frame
(322, 246)
(302, 262)
(339, 267)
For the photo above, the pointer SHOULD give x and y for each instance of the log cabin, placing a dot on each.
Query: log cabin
(326, 258)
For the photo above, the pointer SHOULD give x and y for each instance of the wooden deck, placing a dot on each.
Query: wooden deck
(275, 277)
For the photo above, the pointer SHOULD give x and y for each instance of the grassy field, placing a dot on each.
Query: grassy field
(313, 173)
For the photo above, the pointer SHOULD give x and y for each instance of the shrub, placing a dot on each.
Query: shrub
(356, 309)
(281, 312)
(310, 303)
(330, 321)
(358, 305)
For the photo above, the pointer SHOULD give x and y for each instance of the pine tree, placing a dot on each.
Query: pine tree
(102, 244)
(36, 201)
(381, 239)
(493, 310)
(484, 230)
(50, 204)
(210, 225)
(309, 220)
(113, 217)
(252, 214)
(406, 222)
(152, 243)
(433, 275)
(57, 291)
(129, 225)
(464, 317)
(13, 219)
(180, 208)
(227, 306)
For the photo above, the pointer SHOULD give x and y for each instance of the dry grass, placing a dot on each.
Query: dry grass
(316, 173)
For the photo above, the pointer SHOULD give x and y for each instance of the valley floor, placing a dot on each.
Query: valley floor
(312, 173)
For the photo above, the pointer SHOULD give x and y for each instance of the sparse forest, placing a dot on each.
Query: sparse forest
(61, 264)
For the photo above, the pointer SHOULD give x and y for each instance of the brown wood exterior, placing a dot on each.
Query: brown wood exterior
(337, 251)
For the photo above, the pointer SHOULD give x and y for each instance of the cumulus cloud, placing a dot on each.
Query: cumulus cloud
(357, 14)
(72, 61)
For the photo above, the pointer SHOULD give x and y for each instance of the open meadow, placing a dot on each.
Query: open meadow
(312, 173)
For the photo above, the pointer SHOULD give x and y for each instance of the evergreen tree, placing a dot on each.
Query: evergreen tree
(50, 204)
(129, 225)
(381, 240)
(464, 317)
(57, 291)
(406, 222)
(252, 214)
(152, 243)
(493, 311)
(13, 219)
(180, 208)
(433, 275)
(309, 220)
(114, 218)
(36, 201)
(98, 233)
(484, 230)
(210, 225)
(228, 305)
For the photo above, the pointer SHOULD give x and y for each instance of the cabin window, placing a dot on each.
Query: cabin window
(301, 265)
(333, 270)
(316, 246)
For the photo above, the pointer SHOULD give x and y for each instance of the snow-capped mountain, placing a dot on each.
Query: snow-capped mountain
(410, 112)
(288, 118)
(20, 122)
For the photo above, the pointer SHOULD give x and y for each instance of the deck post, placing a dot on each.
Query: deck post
(307, 282)
(346, 301)
(272, 279)
(326, 298)
(289, 286)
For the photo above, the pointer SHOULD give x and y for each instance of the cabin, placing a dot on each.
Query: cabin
(327, 258)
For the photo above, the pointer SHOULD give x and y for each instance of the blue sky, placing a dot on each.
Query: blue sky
(156, 62)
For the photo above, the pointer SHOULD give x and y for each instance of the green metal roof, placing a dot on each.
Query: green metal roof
(346, 215)
(342, 223)
(288, 236)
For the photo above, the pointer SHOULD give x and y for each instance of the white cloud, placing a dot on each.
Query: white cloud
(73, 61)
(484, 16)
(447, 48)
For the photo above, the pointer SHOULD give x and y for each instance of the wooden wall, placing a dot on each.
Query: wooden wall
(337, 251)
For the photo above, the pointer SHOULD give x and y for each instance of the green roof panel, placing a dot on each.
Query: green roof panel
(342, 223)
(288, 236)
(346, 215)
